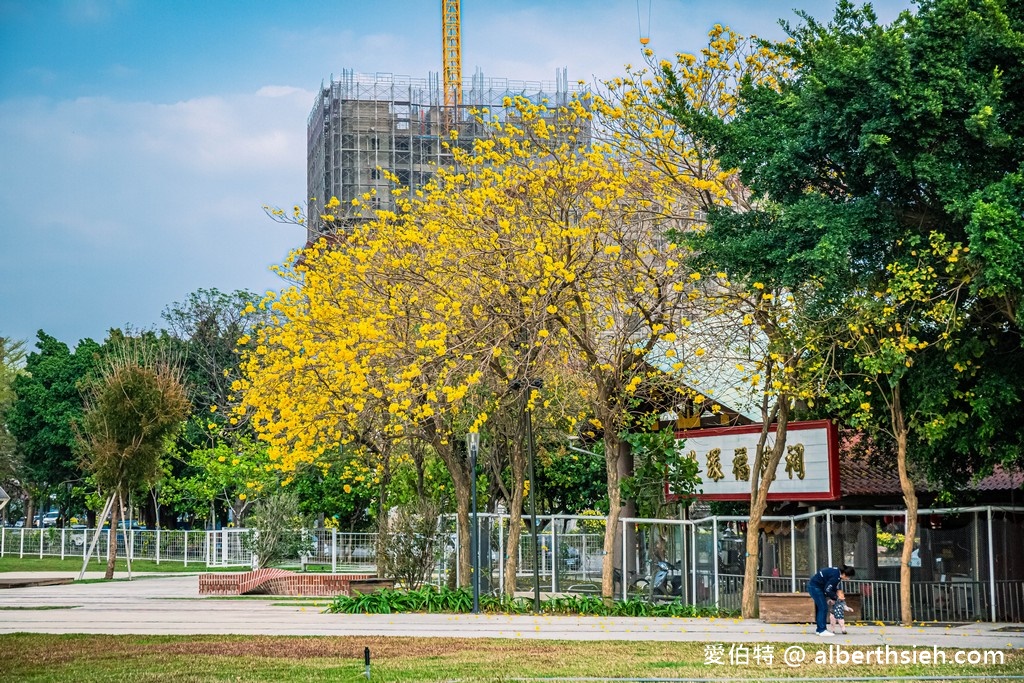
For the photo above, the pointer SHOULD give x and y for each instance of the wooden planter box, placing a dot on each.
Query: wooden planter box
(365, 586)
(798, 608)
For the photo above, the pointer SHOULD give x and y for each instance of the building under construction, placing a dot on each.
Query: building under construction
(362, 126)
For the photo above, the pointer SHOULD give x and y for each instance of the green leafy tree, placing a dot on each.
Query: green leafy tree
(187, 498)
(206, 328)
(209, 324)
(42, 418)
(132, 408)
(229, 477)
(572, 480)
(658, 464)
(885, 181)
(12, 364)
(342, 499)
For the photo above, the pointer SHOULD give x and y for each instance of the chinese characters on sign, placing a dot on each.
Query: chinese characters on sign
(715, 464)
(740, 468)
(807, 470)
(795, 461)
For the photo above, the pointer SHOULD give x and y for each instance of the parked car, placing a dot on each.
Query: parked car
(50, 519)
(127, 524)
(79, 534)
(347, 552)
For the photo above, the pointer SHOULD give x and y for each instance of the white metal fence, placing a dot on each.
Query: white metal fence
(968, 562)
(333, 550)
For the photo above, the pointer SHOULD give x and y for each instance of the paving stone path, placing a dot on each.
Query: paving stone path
(172, 605)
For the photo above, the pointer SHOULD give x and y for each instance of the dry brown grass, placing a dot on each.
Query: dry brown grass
(28, 657)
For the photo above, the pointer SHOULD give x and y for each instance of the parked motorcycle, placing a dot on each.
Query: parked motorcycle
(667, 581)
(637, 582)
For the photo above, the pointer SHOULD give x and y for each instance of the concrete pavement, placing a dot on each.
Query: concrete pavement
(171, 604)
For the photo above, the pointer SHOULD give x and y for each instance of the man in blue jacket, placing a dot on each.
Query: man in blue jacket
(826, 584)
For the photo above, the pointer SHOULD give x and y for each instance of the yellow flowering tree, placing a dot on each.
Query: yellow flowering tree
(657, 113)
(878, 351)
(643, 132)
(746, 338)
(534, 257)
(531, 253)
(769, 350)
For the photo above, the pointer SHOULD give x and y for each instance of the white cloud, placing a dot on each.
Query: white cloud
(122, 71)
(120, 208)
(280, 91)
(93, 11)
(86, 11)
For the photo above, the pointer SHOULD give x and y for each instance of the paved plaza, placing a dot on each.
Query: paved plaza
(172, 605)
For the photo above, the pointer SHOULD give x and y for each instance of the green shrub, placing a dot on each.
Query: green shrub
(405, 543)
(445, 600)
(277, 530)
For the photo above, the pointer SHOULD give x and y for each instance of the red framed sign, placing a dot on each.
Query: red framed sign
(808, 470)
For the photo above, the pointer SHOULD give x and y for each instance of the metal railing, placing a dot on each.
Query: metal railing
(706, 554)
(344, 552)
(955, 578)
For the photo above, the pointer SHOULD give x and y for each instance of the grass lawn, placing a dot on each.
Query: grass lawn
(55, 564)
(31, 657)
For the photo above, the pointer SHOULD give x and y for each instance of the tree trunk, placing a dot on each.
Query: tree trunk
(518, 461)
(515, 524)
(748, 603)
(458, 470)
(901, 432)
(385, 485)
(416, 449)
(611, 461)
(628, 509)
(150, 511)
(115, 514)
(462, 502)
(759, 502)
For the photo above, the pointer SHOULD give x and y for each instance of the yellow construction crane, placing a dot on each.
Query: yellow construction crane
(451, 37)
(645, 36)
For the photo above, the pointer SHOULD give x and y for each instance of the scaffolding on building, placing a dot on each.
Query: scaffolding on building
(363, 125)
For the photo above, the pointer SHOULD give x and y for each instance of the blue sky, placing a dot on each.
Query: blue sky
(139, 139)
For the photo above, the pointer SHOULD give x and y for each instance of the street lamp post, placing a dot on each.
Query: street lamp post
(473, 446)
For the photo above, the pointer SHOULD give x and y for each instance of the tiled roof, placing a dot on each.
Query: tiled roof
(862, 475)
(859, 477)
(1001, 480)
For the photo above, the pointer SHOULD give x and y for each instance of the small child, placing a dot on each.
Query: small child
(837, 617)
